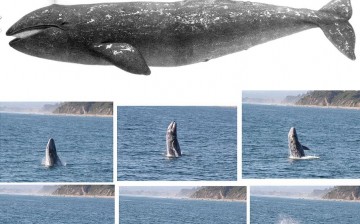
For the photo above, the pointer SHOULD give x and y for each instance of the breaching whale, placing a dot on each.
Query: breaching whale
(51, 157)
(296, 150)
(172, 144)
(135, 35)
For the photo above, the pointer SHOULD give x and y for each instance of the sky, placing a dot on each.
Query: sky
(306, 60)
(155, 188)
(277, 95)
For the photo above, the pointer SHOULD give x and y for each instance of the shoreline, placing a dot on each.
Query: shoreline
(307, 198)
(309, 106)
(184, 198)
(51, 195)
(53, 114)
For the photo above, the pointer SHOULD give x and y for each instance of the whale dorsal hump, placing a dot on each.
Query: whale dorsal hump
(124, 56)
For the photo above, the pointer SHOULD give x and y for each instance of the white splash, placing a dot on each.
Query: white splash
(304, 158)
(285, 219)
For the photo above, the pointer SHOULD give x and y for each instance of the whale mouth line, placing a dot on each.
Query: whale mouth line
(29, 31)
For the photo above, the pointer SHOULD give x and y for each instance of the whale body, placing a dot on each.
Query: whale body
(51, 157)
(296, 150)
(136, 35)
(172, 144)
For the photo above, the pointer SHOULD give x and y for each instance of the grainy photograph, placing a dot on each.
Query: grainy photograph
(177, 143)
(300, 134)
(304, 204)
(56, 141)
(196, 205)
(57, 204)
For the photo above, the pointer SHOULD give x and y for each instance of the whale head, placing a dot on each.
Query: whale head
(292, 134)
(45, 33)
(51, 157)
(171, 130)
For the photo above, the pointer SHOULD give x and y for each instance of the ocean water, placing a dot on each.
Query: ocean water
(55, 210)
(166, 210)
(300, 211)
(84, 144)
(333, 135)
(207, 138)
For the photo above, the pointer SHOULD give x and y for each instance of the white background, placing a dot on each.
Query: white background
(306, 60)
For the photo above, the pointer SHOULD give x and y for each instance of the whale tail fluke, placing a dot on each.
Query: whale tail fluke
(340, 33)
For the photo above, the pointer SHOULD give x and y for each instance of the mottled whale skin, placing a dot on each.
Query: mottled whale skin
(172, 144)
(296, 150)
(51, 157)
(135, 35)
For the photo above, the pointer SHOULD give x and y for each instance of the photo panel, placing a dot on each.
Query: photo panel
(187, 204)
(42, 203)
(56, 141)
(304, 204)
(300, 134)
(177, 143)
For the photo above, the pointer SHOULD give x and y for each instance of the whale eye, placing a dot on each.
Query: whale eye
(64, 23)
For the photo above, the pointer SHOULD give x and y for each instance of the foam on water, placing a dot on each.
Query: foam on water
(43, 162)
(285, 219)
(304, 158)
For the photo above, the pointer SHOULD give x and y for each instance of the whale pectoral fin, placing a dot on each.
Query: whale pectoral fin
(304, 147)
(124, 56)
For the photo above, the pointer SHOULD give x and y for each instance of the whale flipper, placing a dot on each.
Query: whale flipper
(304, 147)
(172, 144)
(51, 157)
(124, 56)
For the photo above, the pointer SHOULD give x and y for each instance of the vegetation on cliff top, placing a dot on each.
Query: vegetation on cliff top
(85, 190)
(331, 98)
(85, 108)
(222, 193)
(344, 193)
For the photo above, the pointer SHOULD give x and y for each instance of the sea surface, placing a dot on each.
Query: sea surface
(84, 145)
(55, 210)
(301, 211)
(333, 135)
(165, 210)
(207, 138)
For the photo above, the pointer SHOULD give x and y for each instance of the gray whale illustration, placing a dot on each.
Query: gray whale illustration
(135, 35)
(172, 144)
(296, 149)
(51, 157)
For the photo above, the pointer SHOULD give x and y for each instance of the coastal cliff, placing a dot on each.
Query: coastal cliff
(349, 193)
(331, 98)
(220, 193)
(85, 190)
(85, 108)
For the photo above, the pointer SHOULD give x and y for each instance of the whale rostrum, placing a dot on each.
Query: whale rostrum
(51, 157)
(136, 35)
(296, 150)
(172, 144)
